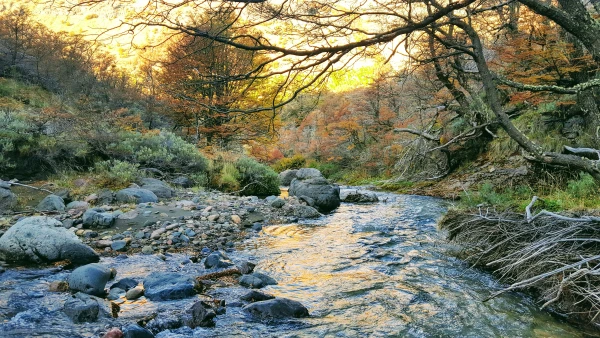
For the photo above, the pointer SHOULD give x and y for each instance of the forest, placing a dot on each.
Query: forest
(491, 105)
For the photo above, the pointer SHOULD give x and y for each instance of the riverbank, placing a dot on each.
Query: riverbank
(376, 269)
(552, 259)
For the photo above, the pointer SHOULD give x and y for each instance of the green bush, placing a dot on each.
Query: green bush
(329, 170)
(583, 187)
(295, 162)
(256, 178)
(116, 174)
(229, 178)
(164, 151)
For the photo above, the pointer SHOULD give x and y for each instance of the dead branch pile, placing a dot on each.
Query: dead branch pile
(557, 256)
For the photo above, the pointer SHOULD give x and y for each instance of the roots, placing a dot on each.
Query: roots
(556, 255)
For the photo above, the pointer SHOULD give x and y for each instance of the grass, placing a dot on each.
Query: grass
(578, 194)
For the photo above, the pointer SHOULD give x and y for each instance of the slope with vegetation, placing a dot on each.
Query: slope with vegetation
(493, 102)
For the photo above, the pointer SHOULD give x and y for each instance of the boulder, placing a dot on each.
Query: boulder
(164, 322)
(168, 285)
(307, 173)
(4, 185)
(119, 245)
(277, 202)
(90, 279)
(85, 308)
(78, 205)
(98, 217)
(158, 187)
(257, 280)
(246, 267)
(358, 196)
(51, 203)
(182, 181)
(286, 176)
(217, 260)
(136, 331)
(134, 293)
(199, 315)
(277, 308)
(39, 322)
(43, 239)
(302, 211)
(256, 296)
(136, 195)
(105, 197)
(8, 200)
(125, 284)
(65, 194)
(115, 293)
(326, 196)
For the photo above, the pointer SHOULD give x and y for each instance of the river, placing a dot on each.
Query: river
(372, 270)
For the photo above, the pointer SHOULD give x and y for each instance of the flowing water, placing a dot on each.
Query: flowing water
(375, 270)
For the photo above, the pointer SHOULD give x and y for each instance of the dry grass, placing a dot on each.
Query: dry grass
(558, 259)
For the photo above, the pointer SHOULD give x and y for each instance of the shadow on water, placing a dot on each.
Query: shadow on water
(375, 270)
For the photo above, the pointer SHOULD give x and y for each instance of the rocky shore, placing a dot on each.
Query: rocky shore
(93, 242)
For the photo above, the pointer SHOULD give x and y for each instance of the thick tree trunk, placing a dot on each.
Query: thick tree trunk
(493, 101)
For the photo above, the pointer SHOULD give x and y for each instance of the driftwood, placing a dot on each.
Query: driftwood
(219, 274)
(556, 255)
(29, 186)
(592, 154)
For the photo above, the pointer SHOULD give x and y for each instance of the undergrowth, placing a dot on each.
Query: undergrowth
(578, 194)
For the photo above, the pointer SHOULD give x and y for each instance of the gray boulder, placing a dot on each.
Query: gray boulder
(307, 173)
(256, 296)
(326, 196)
(8, 200)
(257, 280)
(85, 308)
(125, 284)
(136, 195)
(65, 194)
(158, 187)
(90, 279)
(4, 185)
(136, 331)
(358, 196)
(286, 176)
(78, 205)
(98, 217)
(277, 202)
(168, 285)
(183, 182)
(302, 211)
(51, 203)
(199, 315)
(217, 260)
(43, 239)
(277, 308)
(105, 197)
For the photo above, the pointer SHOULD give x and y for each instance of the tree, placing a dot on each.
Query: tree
(308, 40)
(205, 83)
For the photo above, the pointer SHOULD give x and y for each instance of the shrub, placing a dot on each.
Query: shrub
(295, 162)
(256, 178)
(583, 187)
(164, 151)
(116, 174)
(229, 178)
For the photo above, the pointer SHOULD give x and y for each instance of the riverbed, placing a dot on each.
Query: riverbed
(365, 270)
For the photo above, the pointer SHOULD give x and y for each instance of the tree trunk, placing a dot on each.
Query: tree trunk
(493, 101)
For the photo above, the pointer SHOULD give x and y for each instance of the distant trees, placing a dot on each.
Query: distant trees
(305, 42)
(205, 83)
